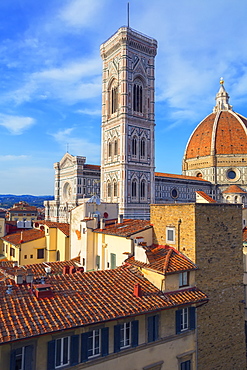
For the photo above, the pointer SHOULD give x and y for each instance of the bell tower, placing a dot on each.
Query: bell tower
(127, 157)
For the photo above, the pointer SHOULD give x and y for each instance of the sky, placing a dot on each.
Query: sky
(50, 78)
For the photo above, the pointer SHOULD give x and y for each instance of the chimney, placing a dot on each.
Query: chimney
(102, 224)
(43, 291)
(120, 219)
(21, 240)
(137, 290)
(72, 270)
(65, 269)
(19, 277)
(29, 276)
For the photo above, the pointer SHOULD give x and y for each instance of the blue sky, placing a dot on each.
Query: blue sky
(50, 70)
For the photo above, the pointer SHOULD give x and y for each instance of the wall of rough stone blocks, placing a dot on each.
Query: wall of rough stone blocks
(211, 236)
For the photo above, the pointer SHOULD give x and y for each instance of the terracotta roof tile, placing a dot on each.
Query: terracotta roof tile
(24, 236)
(82, 299)
(234, 189)
(92, 167)
(126, 228)
(206, 196)
(182, 177)
(164, 259)
(64, 227)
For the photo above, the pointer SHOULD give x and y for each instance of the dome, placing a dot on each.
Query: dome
(223, 133)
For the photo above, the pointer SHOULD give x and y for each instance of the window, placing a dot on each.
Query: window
(170, 235)
(62, 352)
(25, 256)
(31, 256)
(109, 149)
(12, 252)
(185, 319)
(115, 147)
(113, 260)
(94, 343)
(134, 146)
(143, 189)
(143, 148)
(126, 335)
(22, 358)
(58, 255)
(186, 365)
(115, 188)
(114, 99)
(108, 189)
(137, 97)
(153, 328)
(98, 262)
(41, 253)
(183, 279)
(133, 188)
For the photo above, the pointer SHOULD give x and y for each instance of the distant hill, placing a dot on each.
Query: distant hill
(7, 200)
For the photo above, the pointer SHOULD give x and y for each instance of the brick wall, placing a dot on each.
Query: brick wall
(210, 235)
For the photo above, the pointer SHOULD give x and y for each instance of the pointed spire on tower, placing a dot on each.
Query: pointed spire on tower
(222, 99)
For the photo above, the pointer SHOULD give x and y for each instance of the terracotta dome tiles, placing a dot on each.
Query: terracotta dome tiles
(230, 136)
(200, 142)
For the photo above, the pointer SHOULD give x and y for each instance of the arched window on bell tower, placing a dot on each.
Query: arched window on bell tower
(143, 189)
(134, 146)
(138, 96)
(113, 97)
(134, 188)
(143, 148)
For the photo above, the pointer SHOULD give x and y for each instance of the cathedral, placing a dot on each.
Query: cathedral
(214, 160)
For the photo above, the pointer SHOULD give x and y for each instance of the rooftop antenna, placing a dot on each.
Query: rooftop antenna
(67, 150)
(128, 14)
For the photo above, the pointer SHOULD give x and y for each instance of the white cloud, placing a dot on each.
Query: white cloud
(10, 157)
(90, 112)
(78, 145)
(78, 13)
(16, 124)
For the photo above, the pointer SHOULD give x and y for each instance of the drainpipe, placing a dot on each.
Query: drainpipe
(179, 225)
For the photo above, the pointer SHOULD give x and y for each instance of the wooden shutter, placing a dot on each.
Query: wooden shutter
(134, 333)
(84, 347)
(51, 355)
(156, 327)
(74, 350)
(150, 329)
(178, 321)
(28, 358)
(117, 338)
(104, 341)
(192, 318)
(12, 360)
(113, 260)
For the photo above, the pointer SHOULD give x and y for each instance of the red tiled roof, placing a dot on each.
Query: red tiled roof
(64, 227)
(206, 196)
(245, 234)
(182, 177)
(234, 189)
(38, 269)
(92, 167)
(81, 299)
(24, 236)
(23, 209)
(127, 228)
(164, 259)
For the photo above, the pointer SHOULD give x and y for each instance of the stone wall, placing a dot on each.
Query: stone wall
(211, 236)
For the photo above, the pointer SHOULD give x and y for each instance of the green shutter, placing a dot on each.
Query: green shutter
(98, 262)
(178, 321)
(134, 333)
(150, 329)
(192, 318)
(113, 260)
(156, 327)
(104, 341)
(28, 358)
(84, 347)
(74, 350)
(116, 338)
(51, 355)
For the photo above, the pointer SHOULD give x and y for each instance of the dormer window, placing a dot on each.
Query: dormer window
(183, 279)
